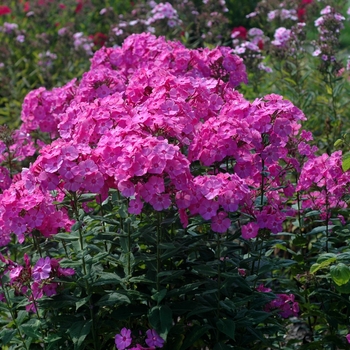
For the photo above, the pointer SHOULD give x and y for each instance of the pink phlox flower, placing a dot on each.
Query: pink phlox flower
(207, 208)
(42, 269)
(220, 223)
(135, 206)
(140, 347)
(34, 218)
(48, 180)
(126, 188)
(250, 230)
(68, 170)
(211, 187)
(282, 127)
(50, 289)
(183, 217)
(282, 35)
(93, 182)
(287, 305)
(86, 167)
(165, 150)
(51, 165)
(169, 108)
(123, 340)
(160, 201)
(69, 152)
(155, 184)
(153, 339)
(74, 184)
(15, 273)
(263, 289)
(157, 164)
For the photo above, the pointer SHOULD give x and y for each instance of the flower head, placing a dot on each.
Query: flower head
(153, 339)
(42, 269)
(123, 340)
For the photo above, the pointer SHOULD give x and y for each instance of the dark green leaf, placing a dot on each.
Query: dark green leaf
(227, 327)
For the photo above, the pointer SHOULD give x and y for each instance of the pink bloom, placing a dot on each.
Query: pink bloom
(50, 289)
(93, 182)
(42, 269)
(160, 201)
(220, 223)
(250, 230)
(263, 289)
(123, 340)
(348, 338)
(239, 32)
(135, 206)
(4, 10)
(153, 339)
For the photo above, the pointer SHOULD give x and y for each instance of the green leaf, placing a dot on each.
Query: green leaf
(52, 338)
(66, 237)
(159, 296)
(300, 241)
(31, 328)
(195, 334)
(326, 257)
(222, 346)
(346, 161)
(113, 299)
(81, 302)
(338, 143)
(340, 274)
(107, 278)
(227, 327)
(6, 335)
(318, 266)
(161, 319)
(344, 289)
(79, 331)
(21, 316)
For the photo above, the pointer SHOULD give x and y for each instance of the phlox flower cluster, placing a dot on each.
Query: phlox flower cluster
(250, 48)
(124, 339)
(25, 206)
(282, 36)
(36, 281)
(46, 58)
(329, 26)
(140, 119)
(282, 14)
(323, 183)
(288, 42)
(163, 11)
(82, 42)
(284, 303)
(157, 14)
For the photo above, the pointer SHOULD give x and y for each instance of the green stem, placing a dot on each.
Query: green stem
(88, 291)
(159, 238)
(9, 307)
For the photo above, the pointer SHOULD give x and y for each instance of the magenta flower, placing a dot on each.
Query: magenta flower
(123, 340)
(348, 338)
(250, 230)
(42, 269)
(153, 339)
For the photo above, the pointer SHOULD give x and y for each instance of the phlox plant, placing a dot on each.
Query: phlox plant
(159, 211)
(302, 55)
(39, 38)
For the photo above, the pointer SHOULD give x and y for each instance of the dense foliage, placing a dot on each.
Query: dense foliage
(169, 196)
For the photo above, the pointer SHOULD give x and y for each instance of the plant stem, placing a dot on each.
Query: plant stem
(9, 307)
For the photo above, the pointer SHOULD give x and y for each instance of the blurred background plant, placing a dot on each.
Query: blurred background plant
(296, 48)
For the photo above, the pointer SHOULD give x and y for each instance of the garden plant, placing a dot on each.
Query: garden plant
(174, 178)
